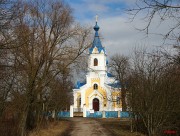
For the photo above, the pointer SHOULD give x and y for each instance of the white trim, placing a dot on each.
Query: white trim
(95, 83)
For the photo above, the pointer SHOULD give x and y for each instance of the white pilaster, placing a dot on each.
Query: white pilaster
(119, 113)
(84, 110)
(71, 110)
(104, 115)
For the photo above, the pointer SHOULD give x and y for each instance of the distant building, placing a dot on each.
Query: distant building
(100, 92)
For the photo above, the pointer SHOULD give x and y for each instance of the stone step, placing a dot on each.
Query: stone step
(78, 114)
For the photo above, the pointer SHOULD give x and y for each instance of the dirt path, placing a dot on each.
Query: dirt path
(87, 127)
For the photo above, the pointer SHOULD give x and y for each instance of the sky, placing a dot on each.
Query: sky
(118, 33)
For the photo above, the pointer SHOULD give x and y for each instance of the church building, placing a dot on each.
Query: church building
(101, 91)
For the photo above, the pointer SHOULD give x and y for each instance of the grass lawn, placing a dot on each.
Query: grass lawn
(118, 127)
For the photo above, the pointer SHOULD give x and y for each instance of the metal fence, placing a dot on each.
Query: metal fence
(96, 114)
(63, 114)
(111, 114)
(125, 114)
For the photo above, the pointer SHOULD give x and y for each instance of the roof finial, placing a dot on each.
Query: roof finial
(96, 18)
(96, 27)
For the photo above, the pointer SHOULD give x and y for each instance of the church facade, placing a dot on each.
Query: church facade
(100, 92)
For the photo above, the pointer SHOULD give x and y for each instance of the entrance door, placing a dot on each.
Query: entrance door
(96, 104)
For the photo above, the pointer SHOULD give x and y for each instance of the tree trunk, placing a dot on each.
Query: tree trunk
(22, 125)
(123, 94)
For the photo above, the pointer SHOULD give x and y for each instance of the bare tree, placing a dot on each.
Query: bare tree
(7, 18)
(60, 93)
(47, 43)
(7, 76)
(153, 91)
(8, 15)
(157, 77)
(120, 68)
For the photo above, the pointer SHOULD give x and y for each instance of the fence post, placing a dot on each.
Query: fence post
(119, 114)
(84, 110)
(71, 110)
(103, 114)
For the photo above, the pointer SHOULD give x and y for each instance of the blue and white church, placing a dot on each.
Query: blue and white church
(101, 92)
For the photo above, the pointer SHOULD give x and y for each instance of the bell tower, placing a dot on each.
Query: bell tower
(97, 57)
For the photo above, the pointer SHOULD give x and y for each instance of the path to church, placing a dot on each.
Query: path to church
(88, 127)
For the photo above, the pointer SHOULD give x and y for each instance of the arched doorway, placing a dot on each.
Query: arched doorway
(96, 104)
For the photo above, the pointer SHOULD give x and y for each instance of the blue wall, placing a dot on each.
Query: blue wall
(63, 114)
(96, 114)
(124, 114)
(111, 114)
(99, 114)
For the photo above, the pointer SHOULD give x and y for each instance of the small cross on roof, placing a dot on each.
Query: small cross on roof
(96, 18)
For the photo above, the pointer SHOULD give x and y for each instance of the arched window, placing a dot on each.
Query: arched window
(95, 62)
(95, 86)
(80, 101)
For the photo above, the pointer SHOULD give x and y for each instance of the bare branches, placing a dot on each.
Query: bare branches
(47, 43)
(166, 10)
(120, 68)
(152, 86)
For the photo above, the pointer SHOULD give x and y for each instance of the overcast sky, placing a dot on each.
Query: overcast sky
(118, 33)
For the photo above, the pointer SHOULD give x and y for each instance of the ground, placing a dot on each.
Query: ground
(87, 127)
(118, 126)
(53, 128)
